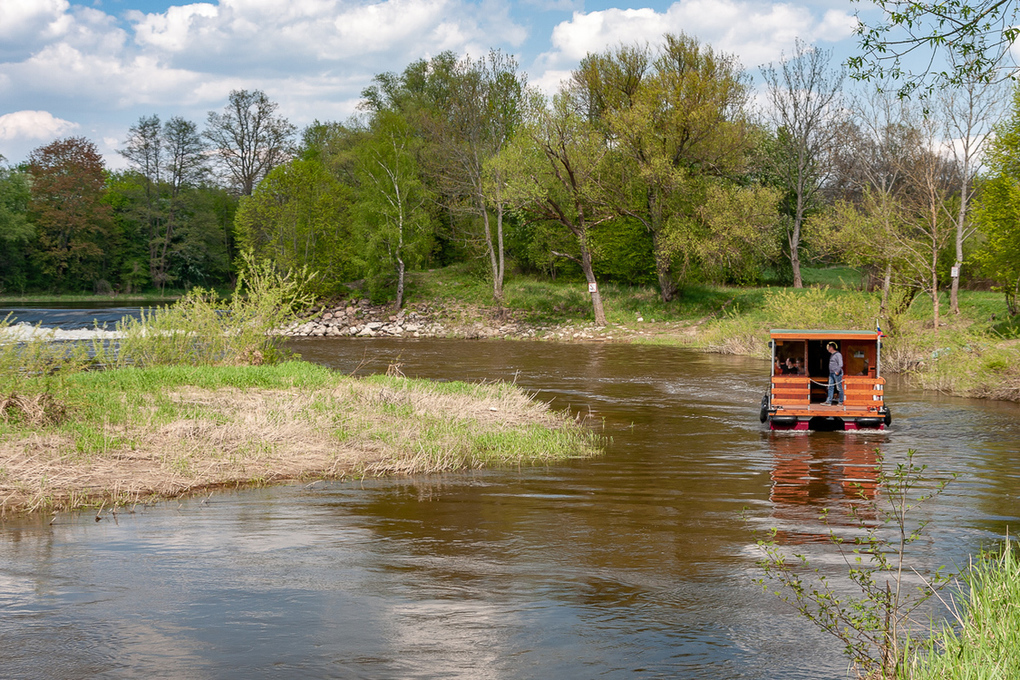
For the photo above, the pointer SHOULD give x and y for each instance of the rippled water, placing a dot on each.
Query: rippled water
(635, 564)
(85, 316)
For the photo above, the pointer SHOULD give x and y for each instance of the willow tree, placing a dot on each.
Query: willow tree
(679, 115)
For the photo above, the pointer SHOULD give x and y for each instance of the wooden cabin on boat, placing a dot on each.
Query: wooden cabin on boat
(796, 399)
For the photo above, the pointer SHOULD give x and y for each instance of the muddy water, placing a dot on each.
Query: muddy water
(636, 564)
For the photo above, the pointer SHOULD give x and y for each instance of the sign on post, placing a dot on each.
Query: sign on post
(593, 287)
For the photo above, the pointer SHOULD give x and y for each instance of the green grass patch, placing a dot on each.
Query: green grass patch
(985, 642)
(837, 276)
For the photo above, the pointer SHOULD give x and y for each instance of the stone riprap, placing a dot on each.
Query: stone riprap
(365, 320)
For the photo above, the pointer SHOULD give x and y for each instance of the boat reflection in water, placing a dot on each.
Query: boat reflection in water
(814, 474)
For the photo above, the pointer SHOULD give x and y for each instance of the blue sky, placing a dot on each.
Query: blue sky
(93, 68)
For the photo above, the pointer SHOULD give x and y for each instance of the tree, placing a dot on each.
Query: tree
(904, 218)
(803, 97)
(168, 159)
(15, 229)
(144, 153)
(185, 169)
(976, 34)
(248, 138)
(555, 167)
(392, 200)
(299, 217)
(679, 118)
(71, 217)
(998, 208)
(486, 105)
(968, 112)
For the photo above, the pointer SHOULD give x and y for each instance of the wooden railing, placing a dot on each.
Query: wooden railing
(863, 391)
(791, 390)
(795, 390)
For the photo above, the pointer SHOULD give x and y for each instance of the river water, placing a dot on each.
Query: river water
(634, 564)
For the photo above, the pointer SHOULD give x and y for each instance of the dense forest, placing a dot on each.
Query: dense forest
(651, 165)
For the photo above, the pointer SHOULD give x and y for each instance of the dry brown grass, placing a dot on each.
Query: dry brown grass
(235, 437)
(36, 409)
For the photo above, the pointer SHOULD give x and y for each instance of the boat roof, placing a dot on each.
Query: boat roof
(821, 334)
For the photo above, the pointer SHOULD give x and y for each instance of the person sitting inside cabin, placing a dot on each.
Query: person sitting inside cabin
(790, 368)
(835, 375)
(799, 365)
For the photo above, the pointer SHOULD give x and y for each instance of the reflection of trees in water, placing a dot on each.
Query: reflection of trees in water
(814, 473)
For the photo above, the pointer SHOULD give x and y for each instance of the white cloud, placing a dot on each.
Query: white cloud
(756, 32)
(23, 18)
(319, 30)
(174, 29)
(29, 125)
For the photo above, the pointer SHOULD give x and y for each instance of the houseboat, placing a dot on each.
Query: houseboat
(797, 396)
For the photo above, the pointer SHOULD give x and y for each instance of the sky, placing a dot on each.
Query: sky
(93, 68)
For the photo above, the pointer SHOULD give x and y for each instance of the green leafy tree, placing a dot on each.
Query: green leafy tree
(393, 217)
(555, 168)
(16, 232)
(487, 97)
(998, 208)
(677, 116)
(973, 35)
(299, 216)
(68, 208)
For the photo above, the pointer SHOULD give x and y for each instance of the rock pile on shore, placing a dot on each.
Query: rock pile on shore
(365, 320)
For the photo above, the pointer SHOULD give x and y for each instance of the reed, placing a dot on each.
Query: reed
(985, 642)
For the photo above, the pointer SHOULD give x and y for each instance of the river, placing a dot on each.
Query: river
(640, 563)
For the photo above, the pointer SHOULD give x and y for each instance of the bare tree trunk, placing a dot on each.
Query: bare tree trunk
(667, 287)
(596, 295)
(400, 282)
(886, 287)
(954, 291)
(501, 271)
(798, 282)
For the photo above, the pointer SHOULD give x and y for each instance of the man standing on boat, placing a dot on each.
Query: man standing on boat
(835, 374)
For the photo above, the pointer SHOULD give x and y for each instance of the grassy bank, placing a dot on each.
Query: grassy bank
(975, 353)
(129, 435)
(985, 643)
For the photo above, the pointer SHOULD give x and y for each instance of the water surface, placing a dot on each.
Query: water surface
(634, 564)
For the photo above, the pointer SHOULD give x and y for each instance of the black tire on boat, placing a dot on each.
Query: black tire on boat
(888, 417)
(763, 414)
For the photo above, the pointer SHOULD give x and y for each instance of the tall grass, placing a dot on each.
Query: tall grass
(985, 643)
(203, 329)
